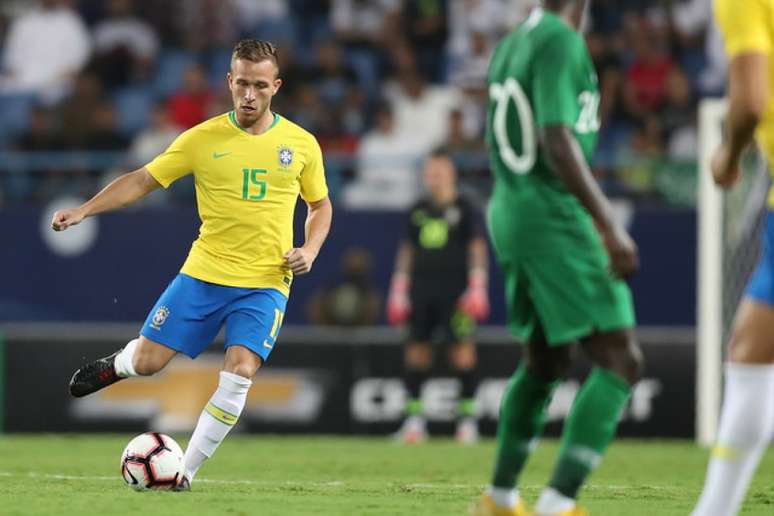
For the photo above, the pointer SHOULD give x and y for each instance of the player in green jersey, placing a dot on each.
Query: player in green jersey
(564, 256)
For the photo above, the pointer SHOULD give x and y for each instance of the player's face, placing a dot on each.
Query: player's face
(439, 175)
(252, 86)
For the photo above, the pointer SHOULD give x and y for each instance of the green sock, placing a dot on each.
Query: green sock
(414, 408)
(522, 414)
(466, 408)
(589, 429)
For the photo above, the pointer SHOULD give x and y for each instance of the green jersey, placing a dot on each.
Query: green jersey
(540, 75)
(557, 281)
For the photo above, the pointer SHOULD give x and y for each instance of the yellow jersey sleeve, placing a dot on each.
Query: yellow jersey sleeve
(312, 178)
(175, 162)
(746, 25)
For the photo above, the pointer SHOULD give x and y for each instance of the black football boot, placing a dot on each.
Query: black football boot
(94, 376)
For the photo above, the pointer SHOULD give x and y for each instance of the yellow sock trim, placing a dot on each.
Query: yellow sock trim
(725, 452)
(221, 415)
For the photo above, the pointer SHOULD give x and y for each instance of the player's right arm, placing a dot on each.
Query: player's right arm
(556, 111)
(398, 302)
(123, 191)
(566, 158)
(748, 43)
(173, 163)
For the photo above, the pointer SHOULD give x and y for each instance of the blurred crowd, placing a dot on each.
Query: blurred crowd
(91, 88)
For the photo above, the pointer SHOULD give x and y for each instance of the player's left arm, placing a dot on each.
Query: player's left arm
(748, 42)
(748, 86)
(319, 211)
(318, 224)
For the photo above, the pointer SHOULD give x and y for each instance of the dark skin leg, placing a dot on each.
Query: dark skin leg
(616, 351)
(548, 362)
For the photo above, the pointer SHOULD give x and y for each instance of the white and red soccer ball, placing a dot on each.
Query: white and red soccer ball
(152, 461)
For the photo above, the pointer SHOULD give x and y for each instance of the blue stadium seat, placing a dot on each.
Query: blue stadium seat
(218, 64)
(133, 106)
(693, 64)
(15, 119)
(171, 67)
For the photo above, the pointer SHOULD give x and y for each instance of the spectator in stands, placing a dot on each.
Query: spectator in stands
(191, 105)
(609, 73)
(426, 28)
(41, 136)
(387, 174)
(475, 26)
(459, 141)
(352, 299)
(358, 23)
(638, 163)
(268, 20)
(53, 37)
(353, 112)
(331, 74)
(365, 28)
(646, 77)
(125, 46)
(418, 106)
(469, 155)
(206, 25)
(678, 117)
(103, 134)
(691, 19)
(471, 68)
(607, 18)
(73, 112)
(154, 139)
(307, 108)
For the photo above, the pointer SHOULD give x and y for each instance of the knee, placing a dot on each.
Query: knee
(146, 362)
(418, 356)
(628, 363)
(550, 366)
(463, 357)
(243, 368)
(746, 349)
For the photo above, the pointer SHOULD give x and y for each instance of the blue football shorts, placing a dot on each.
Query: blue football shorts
(190, 312)
(761, 286)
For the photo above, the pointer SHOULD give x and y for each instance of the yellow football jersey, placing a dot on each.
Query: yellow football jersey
(247, 187)
(748, 27)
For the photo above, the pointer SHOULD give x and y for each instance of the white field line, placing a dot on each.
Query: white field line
(330, 484)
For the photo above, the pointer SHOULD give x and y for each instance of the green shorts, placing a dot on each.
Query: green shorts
(557, 282)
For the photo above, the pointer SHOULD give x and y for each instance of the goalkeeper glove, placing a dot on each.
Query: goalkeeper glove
(475, 300)
(398, 302)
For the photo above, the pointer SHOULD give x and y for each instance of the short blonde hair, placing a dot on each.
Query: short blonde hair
(255, 50)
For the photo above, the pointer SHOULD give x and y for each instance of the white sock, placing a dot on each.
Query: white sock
(216, 420)
(503, 497)
(552, 501)
(123, 361)
(746, 428)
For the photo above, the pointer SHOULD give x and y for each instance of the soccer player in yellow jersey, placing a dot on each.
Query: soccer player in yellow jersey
(747, 418)
(250, 166)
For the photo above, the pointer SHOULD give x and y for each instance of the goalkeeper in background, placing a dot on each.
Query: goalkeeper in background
(747, 418)
(440, 287)
(563, 254)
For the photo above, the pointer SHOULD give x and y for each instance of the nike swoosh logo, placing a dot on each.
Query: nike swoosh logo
(267, 345)
(216, 155)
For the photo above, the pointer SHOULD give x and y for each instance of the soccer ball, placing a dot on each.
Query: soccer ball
(152, 461)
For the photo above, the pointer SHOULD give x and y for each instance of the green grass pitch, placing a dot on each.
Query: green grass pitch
(65, 475)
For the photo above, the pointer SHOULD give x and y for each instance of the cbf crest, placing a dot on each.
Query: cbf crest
(159, 317)
(285, 155)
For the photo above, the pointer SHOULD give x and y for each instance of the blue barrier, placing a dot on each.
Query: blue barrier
(134, 254)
